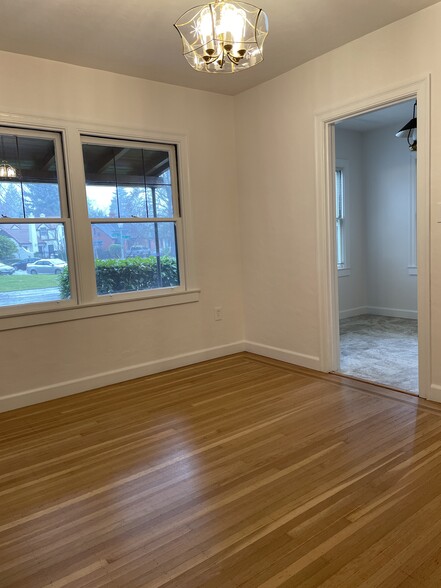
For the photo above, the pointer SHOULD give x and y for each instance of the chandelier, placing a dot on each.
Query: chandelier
(223, 37)
(7, 171)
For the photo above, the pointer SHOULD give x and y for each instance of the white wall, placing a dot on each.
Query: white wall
(380, 184)
(277, 182)
(389, 187)
(352, 285)
(275, 188)
(47, 361)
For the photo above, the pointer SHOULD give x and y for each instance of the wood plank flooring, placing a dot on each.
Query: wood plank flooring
(240, 471)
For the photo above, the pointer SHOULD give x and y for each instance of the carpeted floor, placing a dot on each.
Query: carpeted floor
(380, 349)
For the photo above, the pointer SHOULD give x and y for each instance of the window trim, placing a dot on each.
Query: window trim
(70, 131)
(93, 297)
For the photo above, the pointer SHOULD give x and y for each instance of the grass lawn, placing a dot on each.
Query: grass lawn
(27, 282)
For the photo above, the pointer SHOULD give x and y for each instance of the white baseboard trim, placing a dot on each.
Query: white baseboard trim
(300, 359)
(37, 395)
(434, 393)
(350, 312)
(379, 311)
(396, 312)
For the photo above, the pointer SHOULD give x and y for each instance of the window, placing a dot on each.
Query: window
(412, 267)
(37, 192)
(125, 246)
(133, 213)
(340, 218)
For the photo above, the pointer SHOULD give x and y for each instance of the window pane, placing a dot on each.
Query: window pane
(34, 192)
(159, 201)
(339, 193)
(134, 256)
(339, 244)
(124, 182)
(33, 263)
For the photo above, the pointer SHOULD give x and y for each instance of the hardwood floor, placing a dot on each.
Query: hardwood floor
(235, 472)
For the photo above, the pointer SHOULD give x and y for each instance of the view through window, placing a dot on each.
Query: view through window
(134, 215)
(33, 220)
(133, 219)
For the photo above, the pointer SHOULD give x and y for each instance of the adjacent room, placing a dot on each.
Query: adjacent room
(377, 248)
(176, 406)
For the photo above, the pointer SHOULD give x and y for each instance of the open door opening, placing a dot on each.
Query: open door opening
(326, 126)
(376, 246)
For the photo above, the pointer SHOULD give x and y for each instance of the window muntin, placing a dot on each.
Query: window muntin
(34, 220)
(133, 209)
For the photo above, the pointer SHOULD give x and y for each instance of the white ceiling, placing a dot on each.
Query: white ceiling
(398, 115)
(136, 37)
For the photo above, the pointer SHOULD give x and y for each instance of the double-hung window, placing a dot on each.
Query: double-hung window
(133, 211)
(340, 218)
(35, 229)
(118, 238)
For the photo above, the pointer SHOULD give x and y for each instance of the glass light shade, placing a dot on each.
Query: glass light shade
(223, 37)
(7, 171)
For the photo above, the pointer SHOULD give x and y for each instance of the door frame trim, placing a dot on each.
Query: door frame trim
(325, 195)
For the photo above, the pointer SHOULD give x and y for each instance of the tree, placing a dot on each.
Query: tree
(11, 203)
(8, 247)
(29, 200)
(41, 200)
(128, 202)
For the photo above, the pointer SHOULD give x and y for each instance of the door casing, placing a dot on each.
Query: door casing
(325, 193)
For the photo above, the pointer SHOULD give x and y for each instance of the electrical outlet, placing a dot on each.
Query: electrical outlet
(218, 314)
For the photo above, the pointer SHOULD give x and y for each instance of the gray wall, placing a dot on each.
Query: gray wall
(380, 187)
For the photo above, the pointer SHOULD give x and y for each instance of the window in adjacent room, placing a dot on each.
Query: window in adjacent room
(341, 220)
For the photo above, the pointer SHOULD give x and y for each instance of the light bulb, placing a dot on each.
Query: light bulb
(205, 26)
(231, 25)
(7, 171)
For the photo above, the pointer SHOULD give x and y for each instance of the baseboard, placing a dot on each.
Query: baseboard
(395, 312)
(379, 311)
(70, 387)
(350, 312)
(434, 393)
(308, 361)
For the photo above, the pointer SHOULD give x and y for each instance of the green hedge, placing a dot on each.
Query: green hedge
(129, 275)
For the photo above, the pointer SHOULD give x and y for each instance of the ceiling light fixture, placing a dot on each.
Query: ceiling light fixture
(7, 171)
(409, 131)
(223, 37)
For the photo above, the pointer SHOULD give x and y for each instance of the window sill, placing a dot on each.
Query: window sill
(86, 311)
(344, 272)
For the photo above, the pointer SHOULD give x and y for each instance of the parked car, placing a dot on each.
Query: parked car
(46, 266)
(6, 269)
(22, 263)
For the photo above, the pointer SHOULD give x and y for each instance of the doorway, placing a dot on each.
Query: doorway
(326, 165)
(375, 189)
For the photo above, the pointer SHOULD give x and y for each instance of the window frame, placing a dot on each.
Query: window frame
(413, 257)
(87, 304)
(343, 268)
(64, 219)
(177, 219)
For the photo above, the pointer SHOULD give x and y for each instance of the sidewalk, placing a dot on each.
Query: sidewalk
(28, 296)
